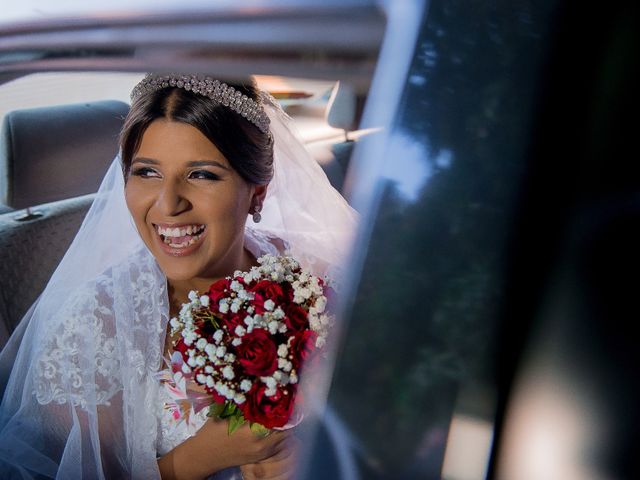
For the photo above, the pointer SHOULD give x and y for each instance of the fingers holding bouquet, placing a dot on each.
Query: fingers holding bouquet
(279, 466)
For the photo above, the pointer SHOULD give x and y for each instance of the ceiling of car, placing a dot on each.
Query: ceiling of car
(328, 40)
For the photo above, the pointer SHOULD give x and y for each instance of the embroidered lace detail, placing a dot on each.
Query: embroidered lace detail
(60, 367)
(89, 355)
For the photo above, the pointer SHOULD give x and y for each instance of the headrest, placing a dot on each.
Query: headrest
(51, 153)
(341, 110)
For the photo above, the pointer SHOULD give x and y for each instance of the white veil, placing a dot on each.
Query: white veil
(80, 401)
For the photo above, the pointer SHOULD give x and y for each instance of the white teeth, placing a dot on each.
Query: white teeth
(191, 241)
(179, 232)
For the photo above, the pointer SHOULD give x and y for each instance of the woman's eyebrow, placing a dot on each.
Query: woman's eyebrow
(149, 161)
(193, 163)
(207, 163)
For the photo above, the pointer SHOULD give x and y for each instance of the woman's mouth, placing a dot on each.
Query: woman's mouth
(181, 237)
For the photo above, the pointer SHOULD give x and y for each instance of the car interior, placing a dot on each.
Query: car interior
(510, 123)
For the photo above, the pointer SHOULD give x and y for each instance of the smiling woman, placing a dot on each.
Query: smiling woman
(178, 209)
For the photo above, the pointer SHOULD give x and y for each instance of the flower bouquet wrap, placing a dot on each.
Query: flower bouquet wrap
(248, 340)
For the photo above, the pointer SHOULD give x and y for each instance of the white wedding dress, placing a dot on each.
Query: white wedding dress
(123, 392)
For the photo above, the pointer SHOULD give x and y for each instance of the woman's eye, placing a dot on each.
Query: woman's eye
(145, 172)
(203, 175)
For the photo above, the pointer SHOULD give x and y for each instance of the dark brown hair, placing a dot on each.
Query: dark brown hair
(248, 150)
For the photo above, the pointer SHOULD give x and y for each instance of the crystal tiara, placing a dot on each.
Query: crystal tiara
(208, 87)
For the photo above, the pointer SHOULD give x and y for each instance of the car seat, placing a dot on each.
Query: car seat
(334, 155)
(54, 155)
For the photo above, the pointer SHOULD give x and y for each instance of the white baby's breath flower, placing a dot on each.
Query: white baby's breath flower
(185, 316)
(223, 306)
(314, 324)
(293, 378)
(193, 296)
(245, 295)
(185, 368)
(321, 303)
(236, 341)
(270, 382)
(217, 336)
(210, 350)
(270, 392)
(209, 369)
(235, 305)
(239, 398)
(220, 351)
(230, 357)
(201, 378)
(228, 373)
(278, 313)
(236, 286)
(189, 337)
(210, 381)
(201, 343)
(240, 331)
(273, 327)
(175, 323)
(245, 385)
(269, 305)
(282, 350)
(204, 300)
(285, 364)
(320, 342)
(200, 361)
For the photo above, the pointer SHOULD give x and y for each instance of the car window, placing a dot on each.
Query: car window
(415, 379)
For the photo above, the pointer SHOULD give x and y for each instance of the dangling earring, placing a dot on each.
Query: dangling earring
(256, 214)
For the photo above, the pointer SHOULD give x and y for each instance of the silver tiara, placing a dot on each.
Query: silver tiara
(214, 89)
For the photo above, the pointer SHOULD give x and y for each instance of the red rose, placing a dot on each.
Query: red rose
(232, 320)
(180, 346)
(303, 348)
(217, 291)
(287, 292)
(295, 317)
(270, 412)
(257, 353)
(268, 290)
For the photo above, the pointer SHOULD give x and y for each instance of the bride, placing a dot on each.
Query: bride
(210, 176)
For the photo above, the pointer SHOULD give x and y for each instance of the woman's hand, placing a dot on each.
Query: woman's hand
(280, 466)
(212, 449)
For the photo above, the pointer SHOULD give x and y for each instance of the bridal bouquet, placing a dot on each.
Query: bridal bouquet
(248, 340)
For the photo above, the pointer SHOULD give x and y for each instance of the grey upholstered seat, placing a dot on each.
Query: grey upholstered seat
(29, 253)
(54, 155)
(334, 156)
(51, 153)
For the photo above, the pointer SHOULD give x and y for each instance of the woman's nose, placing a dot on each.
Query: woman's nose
(171, 199)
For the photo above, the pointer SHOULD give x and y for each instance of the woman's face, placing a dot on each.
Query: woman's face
(188, 204)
